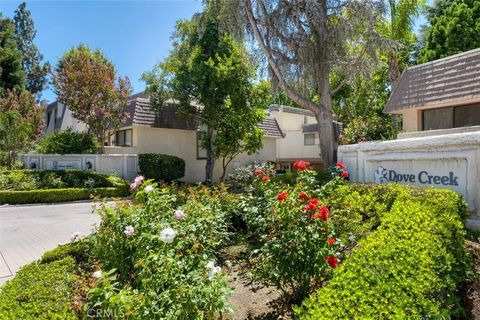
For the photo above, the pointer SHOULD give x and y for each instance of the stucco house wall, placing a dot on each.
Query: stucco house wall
(182, 144)
(292, 146)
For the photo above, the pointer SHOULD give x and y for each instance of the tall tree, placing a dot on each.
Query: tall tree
(21, 123)
(35, 72)
(11, 73)
(311, 39)
(453, 28)
(86, 82)
(398, 27)
(208, 73)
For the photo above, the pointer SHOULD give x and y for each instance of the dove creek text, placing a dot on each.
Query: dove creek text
(423, 177)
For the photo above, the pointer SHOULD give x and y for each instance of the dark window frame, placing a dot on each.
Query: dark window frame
(124, 131)
(454, 109)
(305, 139)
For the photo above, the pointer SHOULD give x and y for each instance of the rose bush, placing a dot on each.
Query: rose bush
(295, 231)
(160, 254)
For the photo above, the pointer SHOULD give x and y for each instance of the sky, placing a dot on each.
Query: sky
(134, 35)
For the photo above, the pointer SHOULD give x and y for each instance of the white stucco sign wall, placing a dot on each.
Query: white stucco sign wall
(444, 161)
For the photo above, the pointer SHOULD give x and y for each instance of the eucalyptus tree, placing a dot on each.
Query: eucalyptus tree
(309, 41)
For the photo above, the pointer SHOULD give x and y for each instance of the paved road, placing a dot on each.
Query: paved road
(26, 232)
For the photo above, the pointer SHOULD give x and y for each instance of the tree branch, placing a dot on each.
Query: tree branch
(310, 105)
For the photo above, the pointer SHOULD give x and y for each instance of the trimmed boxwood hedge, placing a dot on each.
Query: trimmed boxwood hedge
(77, 185)
(59, 195)
(407, 268)
(161, 167)
(39, 292)
(55, 179)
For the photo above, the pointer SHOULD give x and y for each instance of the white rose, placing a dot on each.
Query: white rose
(168, 235)
(148, 188)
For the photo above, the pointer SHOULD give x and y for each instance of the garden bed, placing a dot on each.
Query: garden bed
(47, 186)
(286, 250)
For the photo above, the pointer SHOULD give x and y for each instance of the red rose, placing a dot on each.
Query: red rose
(341, 165)
(303, 196)
(312, 204)
(282, 196)
(301, 165)
(330, 240)
(259, 172)
(323, 213)
(313, 216)
(265, 178)
(344, 174)
(332, 261)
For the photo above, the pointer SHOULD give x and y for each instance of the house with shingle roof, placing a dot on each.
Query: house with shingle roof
(441, 96)
(290, 134)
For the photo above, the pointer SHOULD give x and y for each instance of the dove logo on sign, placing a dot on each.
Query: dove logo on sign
(380, 175)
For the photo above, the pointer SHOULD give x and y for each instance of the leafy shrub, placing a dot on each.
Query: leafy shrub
(179, 235)
(79, 250)
(39, 291)
(408, 268)
(67, 142)
(245, 175)
(56, 179)
(372, 128)
(161, 167)
(293, 226)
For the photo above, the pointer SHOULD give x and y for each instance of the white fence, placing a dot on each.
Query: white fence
(122, 165)
(450, 161)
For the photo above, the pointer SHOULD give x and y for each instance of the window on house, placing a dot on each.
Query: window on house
(451, 117)
(201, 152)
(309, 139)
(123, 138)
(305, 120)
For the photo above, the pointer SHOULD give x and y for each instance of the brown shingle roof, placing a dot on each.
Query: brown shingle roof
(449, 80)
(270, 127)
(140, 113)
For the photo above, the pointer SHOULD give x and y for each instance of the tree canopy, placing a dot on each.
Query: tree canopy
(86, 81)
(21, 121)
(11, 72)
(35, 72)
(211, 78)
(453, 28)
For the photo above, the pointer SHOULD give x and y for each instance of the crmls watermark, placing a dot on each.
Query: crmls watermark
(382, 175)
(105, 314)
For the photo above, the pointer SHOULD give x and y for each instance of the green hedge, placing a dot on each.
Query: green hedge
(39, 291)
(56, 179)
(59, 195)
(68, 142)
(407, 268)
(161, 167)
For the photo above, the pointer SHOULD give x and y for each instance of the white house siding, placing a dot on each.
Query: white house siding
(182, 144)
(292, 145)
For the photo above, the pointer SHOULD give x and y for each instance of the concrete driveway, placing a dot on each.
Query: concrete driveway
(26, 232)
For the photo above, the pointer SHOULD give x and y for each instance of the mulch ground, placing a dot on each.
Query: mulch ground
(250, 300)
(470, 291)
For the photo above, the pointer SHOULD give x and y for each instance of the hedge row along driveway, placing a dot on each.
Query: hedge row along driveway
(46, 186)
